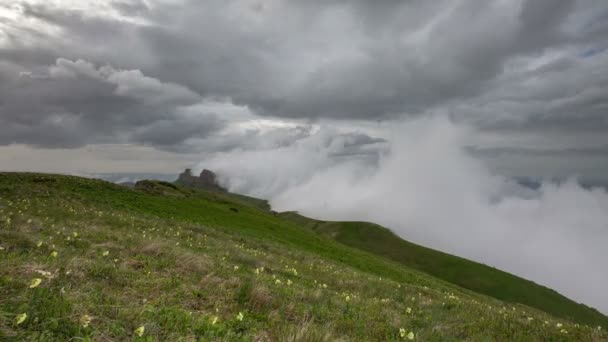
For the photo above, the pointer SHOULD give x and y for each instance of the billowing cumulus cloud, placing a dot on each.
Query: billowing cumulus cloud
(72, 103)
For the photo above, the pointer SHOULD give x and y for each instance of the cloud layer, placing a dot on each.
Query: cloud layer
(524, 65)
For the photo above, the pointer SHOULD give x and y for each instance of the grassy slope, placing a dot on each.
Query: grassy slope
(183, 264)
(474, 276)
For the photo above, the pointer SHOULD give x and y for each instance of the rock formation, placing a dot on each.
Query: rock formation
(207, 180)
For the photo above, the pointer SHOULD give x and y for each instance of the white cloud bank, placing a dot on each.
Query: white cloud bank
(429, 190)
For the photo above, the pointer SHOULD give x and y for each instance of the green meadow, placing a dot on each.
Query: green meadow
(87, 260)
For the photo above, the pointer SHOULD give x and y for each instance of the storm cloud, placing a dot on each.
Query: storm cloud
(525, 63)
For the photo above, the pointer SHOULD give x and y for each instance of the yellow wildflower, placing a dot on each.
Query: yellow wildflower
(85, 320)
(240, 316)
(45, 273)
(214, 320)
(140, 331)
(54, 254)
(39, 243)
(559, 325)
(35, 282)
(20, 318)
(105, 253)
(408, 310)
(411, 335)
(402, 333)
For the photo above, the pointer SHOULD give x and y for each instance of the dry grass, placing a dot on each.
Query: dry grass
(307, 332)
(155, 249)
(260, 298)
(193, 263)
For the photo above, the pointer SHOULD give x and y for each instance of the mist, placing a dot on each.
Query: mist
(424, 185)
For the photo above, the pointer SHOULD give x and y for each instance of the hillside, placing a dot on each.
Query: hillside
(87, 259)
(468, 274)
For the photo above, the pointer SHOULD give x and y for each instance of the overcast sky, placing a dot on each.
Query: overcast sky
(157, 85)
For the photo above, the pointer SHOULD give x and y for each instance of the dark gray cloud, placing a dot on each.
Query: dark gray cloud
(131, 7)
(527, 64)
(72, 103)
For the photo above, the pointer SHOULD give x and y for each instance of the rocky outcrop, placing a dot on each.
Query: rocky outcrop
(207, 180)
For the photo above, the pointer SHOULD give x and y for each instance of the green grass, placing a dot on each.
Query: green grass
(188, 264)
(468, 274)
